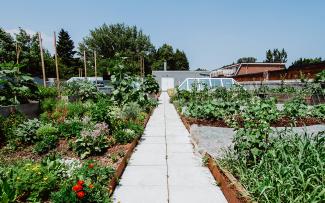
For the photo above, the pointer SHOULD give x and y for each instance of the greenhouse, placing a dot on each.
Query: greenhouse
(211, 83)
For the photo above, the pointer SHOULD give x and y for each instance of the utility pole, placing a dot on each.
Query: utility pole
(85, 64)
(42, 58)
(56, 65)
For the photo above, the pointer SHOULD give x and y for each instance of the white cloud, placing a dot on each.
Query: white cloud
(47, 39)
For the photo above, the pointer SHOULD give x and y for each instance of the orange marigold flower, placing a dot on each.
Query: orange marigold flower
(91, 186)
(81, 194)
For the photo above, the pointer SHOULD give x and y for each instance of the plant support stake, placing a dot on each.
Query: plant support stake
(42, 58)
(56, 66)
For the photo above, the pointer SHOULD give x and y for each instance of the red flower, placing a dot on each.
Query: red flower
(91, 186)
(91, 165)
(77, 188)
(81, 194)
(80, 182)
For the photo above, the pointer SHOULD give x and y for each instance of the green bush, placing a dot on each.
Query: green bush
(84, 90)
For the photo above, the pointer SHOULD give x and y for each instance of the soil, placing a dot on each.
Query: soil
(26, 153)
(281, 122)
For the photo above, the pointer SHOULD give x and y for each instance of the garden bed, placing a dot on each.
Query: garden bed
(30, 110)
(282, 122)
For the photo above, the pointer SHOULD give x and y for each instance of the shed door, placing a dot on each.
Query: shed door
(167, 83)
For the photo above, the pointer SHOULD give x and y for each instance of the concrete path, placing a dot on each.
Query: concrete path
(164, 167)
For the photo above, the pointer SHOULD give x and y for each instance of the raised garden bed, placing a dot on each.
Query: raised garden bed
(30, 110)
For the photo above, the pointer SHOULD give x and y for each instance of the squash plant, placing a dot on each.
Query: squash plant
(16, 87)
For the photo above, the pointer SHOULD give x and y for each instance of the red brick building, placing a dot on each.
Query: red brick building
(267, 71)
(246, 68)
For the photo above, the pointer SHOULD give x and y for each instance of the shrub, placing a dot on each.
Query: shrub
(92, 141)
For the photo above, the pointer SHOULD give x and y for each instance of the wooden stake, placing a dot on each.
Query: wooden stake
(18, 49)
(56, 65)
(95, 67)
(85, 64)
(42, 58)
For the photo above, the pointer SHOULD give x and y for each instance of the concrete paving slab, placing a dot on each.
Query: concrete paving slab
(180, 194)
(179, 148)
(144, 176)
(183, 159)
(141, 194)
(190, 176)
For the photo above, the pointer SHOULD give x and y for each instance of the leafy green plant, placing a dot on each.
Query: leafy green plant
(48, 104)
(26, 132)
(15, 87)
(130, 111)
(48, 137)
(150, 85)
(92, 141)
(295, 108)
(70, 128)
(252, 140)
(290, 171)
(8, 126)
(47, 92)
(82, 89)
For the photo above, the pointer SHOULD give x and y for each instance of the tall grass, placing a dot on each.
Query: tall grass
(293, 170)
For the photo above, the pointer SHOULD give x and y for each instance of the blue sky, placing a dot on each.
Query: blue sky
(211, 32)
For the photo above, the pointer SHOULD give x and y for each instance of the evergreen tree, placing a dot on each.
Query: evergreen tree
(7, 47)
(269, 56)
(65, 48)
(180, 59)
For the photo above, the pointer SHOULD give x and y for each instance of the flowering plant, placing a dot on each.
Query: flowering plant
(92, 141)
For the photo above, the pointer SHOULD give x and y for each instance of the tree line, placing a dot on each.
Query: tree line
(111, 42)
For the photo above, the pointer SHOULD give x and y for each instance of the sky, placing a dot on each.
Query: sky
(212, 33)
